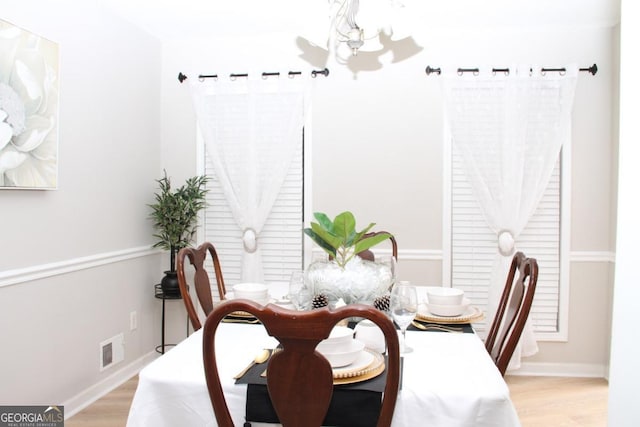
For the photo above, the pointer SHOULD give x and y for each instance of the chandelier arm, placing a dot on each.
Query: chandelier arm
(337, 19)
(354, 6)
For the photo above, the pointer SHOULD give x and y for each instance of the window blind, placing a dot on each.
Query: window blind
(473, 246)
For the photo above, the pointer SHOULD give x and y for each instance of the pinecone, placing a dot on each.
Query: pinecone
(382, 303)
(319, 301)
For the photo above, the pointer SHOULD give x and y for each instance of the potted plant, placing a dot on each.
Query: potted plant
(175, 218)
(346, 276)
(339, 237)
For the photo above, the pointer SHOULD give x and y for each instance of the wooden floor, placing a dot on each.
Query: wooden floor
(540, 402)
(556, 401)
(110, 411)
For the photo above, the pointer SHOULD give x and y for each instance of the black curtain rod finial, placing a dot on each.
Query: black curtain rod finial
(429, 70)
(181, 77)
(593, 69)
(324, 72)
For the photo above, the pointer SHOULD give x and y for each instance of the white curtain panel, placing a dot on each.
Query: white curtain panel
(251, 129)
(509, 129)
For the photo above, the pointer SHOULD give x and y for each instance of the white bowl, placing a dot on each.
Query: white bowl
(339, 339)
(371, 335)
(257, 292)
(344, 355)
(285, 303)
(444, 296)
(449, 310)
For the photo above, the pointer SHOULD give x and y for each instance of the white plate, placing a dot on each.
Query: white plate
(471, 314)
(363, 361)
(446, 310)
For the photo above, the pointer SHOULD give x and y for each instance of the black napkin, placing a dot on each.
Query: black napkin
(466, 327)
(248, 319)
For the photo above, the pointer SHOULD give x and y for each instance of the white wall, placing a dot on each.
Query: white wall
(76, 261)
(625, 349)
(377, 139)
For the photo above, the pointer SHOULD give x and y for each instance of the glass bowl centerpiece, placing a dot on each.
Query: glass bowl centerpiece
(345, 275)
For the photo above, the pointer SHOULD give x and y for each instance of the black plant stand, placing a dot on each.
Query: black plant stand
(161, 295)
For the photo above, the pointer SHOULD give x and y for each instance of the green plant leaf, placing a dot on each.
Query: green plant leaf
(344, 226)
(369, 242)
(320, 242)
(358, 236)
(175, 213)
(324, 221)
(328, 237)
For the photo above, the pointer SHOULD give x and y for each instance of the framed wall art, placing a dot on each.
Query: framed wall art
(29, 81)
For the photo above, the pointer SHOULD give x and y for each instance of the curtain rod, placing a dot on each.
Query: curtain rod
(232, 76)
(430, 70)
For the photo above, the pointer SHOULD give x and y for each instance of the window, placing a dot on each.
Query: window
(473, 245)
(281, 239)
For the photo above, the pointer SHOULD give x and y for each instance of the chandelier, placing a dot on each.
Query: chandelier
(345, 26)
(361, 25)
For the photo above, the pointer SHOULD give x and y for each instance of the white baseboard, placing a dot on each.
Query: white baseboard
(113, 381)
(585, 370)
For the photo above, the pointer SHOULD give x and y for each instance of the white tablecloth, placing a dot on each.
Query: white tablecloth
(449, 380)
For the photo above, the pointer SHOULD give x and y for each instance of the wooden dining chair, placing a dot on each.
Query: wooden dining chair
(368, 254)
(198, 257)
(513, 310)
(300, 380)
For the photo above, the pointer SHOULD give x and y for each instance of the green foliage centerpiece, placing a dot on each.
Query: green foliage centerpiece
(346, 276)
(339, 237)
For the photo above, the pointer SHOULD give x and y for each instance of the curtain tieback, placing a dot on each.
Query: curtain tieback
(506, 243)
(249, 240)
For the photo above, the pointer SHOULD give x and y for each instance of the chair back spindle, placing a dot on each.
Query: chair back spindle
(513, 310)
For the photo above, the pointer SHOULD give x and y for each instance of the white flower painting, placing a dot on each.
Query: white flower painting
(28, 110)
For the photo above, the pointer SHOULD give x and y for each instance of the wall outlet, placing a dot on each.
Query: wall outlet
(111, 351)
(133, 320)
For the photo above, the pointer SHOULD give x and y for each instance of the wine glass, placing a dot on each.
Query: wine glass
(299, 291)
(403, 306)
(390, 263)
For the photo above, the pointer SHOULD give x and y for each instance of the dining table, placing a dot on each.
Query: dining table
(448, 380)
